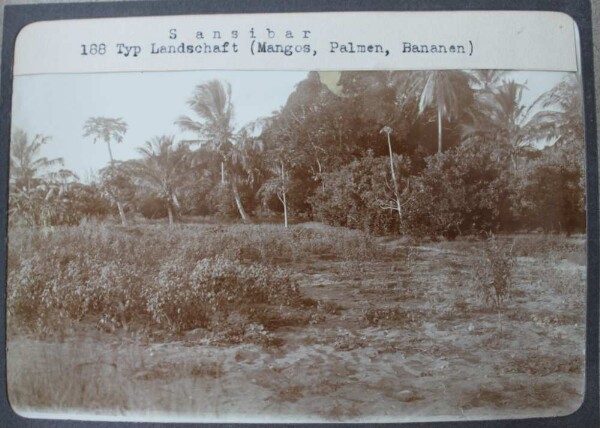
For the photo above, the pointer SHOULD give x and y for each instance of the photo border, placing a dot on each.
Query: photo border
(18, 16)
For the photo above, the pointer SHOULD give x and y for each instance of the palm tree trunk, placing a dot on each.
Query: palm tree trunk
(285, 216)
(119, 205)
(238, 203)
(283, 190)
(321, 175)
(222, 172)
(170, 210)
(110, 155)
(439, 123)
(513, 160)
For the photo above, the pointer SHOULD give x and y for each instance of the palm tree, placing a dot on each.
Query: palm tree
(107, 129)
(25, 161)
(441, 89)
(161, 170)
(30, 188)
(504, 119)
(562, 117)
(487, 80)
(211, 101)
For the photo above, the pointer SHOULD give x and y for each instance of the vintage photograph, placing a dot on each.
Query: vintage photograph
(354, 246)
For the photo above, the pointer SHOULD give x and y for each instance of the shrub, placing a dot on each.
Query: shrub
(465, 190)
(120, 278)
(551, 191)
(153, 208)
(179, 277)
(359, 195)
(493, 271)
(185, 298)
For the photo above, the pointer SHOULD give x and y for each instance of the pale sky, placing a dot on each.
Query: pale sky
(58, 106)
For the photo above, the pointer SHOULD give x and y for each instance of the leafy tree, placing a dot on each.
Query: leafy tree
(117, 186)
(361, 195)
(464, 190)
(69, 201)
(279, 160)
(313, 133)
(279, 186)
(375, 99)
(107, 129)
(550, 195)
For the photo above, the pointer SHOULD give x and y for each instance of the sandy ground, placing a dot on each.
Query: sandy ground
(400, 341)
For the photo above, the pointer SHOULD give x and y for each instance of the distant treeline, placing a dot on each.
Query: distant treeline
(437, 153)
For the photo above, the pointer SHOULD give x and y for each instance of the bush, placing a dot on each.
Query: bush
(359, 195)
(123, 278)
(186, 298)
(153, 208)
(493, 272)
(552, 194)
(56, 287)
(465, 190)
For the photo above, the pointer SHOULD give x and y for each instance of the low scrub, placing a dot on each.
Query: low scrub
(550, 247)
(493, 272)
(176, 279)
(205, 295)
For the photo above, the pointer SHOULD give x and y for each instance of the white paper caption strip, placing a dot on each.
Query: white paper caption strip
(301, 41)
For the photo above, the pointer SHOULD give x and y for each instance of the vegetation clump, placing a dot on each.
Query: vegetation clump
(120, 278)
(494, 272)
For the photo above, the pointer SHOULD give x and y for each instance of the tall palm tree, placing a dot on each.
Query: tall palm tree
(26, 164)
(107, 129)
(211, 101)
(441, 89)
(161, 170)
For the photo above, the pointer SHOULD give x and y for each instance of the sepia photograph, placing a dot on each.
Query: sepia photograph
(297, 246)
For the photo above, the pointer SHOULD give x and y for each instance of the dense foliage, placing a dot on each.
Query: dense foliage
(441, 153)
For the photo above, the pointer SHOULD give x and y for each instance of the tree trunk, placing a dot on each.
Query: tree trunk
(285, 216)
(396, 192)
(222, 172)
(238, 203)
(513, 160)
(112, 161)
(119, 205)
(439, 130)
(122, 213)
(321, 175)
(170, 210)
